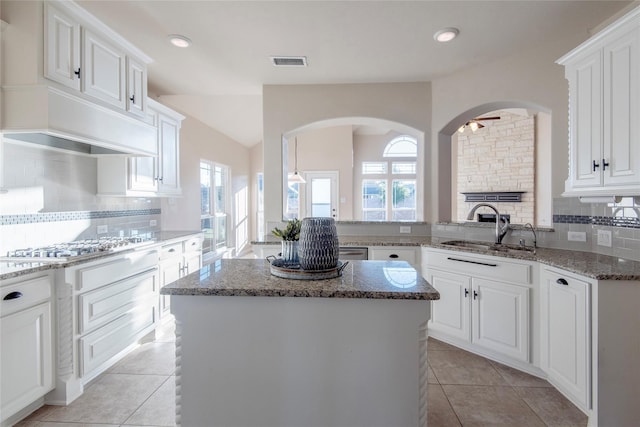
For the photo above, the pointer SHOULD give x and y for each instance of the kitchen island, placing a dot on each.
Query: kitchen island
(257, 350)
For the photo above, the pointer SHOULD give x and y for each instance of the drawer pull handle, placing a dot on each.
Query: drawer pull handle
(472, 262)
(393, 256)
(562, 282)
(12, 295)
(172, 250)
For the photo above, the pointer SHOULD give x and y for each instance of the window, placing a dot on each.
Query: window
(214, 193)
(293, 201)
(260, 213)
(395, 177)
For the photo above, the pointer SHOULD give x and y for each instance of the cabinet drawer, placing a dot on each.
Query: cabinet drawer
(112, 271)
(25, 293)
(105, 304)
(193, 244)
(170, 251)
(104, 343)
(478, 266)
(393, 254)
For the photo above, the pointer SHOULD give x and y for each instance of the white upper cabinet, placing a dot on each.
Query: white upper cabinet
(604, 115)
(103, 76)
(62, 62)
(136, 87)
(87, 56)
(169, 154)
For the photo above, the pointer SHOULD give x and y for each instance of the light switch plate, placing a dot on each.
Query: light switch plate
(604, 238)
(405, 229)
(102, 229)
(577, 236)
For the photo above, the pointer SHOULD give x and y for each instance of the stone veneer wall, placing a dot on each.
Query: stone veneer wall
(498, 157)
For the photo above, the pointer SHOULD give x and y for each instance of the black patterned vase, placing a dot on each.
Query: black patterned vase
(318, 246)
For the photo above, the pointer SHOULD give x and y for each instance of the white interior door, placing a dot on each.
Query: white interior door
(321, 194)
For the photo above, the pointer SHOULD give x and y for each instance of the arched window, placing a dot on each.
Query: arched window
(393, 173)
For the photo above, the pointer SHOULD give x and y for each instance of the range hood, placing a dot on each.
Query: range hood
(53, 118)
(57, 143)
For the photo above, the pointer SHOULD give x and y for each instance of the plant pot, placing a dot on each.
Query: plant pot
(290, 251)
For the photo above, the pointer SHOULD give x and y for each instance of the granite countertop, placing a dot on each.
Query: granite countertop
(10, 269)
(252, 277)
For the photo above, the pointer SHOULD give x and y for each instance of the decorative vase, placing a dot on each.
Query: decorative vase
(318, 247)
(290, 251)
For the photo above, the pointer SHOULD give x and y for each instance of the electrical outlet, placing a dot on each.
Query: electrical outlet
(604, 238)
(577, 236)
(102, 229)
(153, 223)
(405, 229)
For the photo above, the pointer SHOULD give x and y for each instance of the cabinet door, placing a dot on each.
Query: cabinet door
(501, 318)
(62, 44)
(450, 314)
(26, 362)
(143, 174)
(136, 87)
(621, 110)
(192, 262)
(169, 273)
(585, 127)
(103, 74)
(168, 134)
(566, 334)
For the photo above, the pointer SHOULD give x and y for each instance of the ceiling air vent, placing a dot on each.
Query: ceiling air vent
(289, 61)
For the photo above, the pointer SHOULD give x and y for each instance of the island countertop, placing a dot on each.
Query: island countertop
(252, 277)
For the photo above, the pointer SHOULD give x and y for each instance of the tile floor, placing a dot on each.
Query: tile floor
(464, 390)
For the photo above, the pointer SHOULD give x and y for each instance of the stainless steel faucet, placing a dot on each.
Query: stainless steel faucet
(501, 231)
(535, 238)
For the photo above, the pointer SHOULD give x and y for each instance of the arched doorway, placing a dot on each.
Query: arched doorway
(542, 215)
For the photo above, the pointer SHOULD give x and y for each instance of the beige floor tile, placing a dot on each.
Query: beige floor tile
(166, 332)
(490, 406)
(461, 367)
(431, 377)
(439, 410)
(111, 400)
(518, 378)
(436, 345)
(155, 358)
(159, 409)
(550, 405)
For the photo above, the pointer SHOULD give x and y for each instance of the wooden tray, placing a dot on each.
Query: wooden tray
(280, 268)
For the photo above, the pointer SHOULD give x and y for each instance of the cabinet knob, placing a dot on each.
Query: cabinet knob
(12, 295)
(77, 72)
(466, 292)
(562, 281)
(475, 294)
(604, 164)
(133, 98)
(595, 165)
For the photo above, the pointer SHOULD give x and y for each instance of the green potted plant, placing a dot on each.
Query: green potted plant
(290, 236)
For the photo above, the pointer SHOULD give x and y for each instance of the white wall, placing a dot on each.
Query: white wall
(289, 107)
(198, 141)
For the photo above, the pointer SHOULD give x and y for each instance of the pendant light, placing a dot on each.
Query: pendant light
(295, 177)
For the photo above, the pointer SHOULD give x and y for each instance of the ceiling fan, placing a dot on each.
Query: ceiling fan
(474, 124)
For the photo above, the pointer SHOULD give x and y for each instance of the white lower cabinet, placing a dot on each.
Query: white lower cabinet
(177, 259)
(480, 306)
(566, 345)
(26, 345)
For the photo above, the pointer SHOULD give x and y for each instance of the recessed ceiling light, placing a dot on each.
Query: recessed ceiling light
(179, 40)
(446, 34)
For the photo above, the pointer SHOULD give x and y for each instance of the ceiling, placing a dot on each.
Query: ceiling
(219, 79)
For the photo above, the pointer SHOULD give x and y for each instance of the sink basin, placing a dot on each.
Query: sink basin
(489, 247)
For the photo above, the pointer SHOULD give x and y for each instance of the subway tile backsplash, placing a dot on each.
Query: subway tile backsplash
(52, 198)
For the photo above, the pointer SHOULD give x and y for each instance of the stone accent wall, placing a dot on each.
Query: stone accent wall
(499, 157)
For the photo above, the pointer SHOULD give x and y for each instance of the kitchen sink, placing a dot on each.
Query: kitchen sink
(489, 247)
